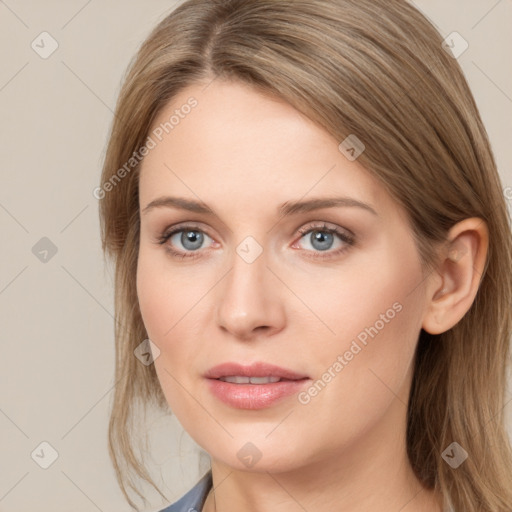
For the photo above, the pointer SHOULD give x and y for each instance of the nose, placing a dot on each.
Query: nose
(250, 304)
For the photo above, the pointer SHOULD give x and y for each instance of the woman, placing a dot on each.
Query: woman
(306, 221)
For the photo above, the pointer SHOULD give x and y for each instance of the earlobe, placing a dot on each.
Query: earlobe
(461, 265)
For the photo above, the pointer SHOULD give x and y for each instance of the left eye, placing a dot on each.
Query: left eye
(322, 239)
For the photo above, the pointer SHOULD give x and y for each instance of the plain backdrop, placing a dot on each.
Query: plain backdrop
(56, 306)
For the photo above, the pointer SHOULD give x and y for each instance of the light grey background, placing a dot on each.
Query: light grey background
(57, 359)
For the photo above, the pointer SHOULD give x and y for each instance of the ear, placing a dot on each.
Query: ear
(453, 288)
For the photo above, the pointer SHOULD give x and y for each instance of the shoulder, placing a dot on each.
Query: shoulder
(194, 499)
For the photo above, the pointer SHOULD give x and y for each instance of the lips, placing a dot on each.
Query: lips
(255, 370)
(254, 386)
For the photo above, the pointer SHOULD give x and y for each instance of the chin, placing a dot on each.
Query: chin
(258, 453)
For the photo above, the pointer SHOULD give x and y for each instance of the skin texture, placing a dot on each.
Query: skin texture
(245, 154)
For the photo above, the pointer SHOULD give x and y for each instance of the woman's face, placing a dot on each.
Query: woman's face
(275, 249)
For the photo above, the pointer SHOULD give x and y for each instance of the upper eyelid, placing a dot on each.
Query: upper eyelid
(324, 225)
(186, 227)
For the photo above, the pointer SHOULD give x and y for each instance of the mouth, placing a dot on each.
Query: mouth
(237, 379)
(254, 386)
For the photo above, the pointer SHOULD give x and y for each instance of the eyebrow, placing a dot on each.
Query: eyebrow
(286, 209)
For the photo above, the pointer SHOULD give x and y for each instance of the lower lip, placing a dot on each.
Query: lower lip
(254, 396)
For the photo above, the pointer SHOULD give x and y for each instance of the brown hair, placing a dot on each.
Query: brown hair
(372, 68)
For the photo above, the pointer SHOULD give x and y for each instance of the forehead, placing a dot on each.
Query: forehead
(230, 141)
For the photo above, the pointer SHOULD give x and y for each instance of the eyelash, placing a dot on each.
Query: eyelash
(347, 239)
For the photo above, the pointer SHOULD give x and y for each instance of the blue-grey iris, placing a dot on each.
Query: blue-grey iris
(192, 240)
(321, 240)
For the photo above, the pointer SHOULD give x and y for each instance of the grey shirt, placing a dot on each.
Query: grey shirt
(194, 500)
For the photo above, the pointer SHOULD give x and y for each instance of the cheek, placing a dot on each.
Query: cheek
(370, 314)
(165, 297)
(370, 290)
(359, 371)
(172, 305)
(163, 301)
(152, 296)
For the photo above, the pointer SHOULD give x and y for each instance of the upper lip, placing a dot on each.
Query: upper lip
(258, 369)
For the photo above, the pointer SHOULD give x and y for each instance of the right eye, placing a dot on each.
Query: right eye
(184, 241)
